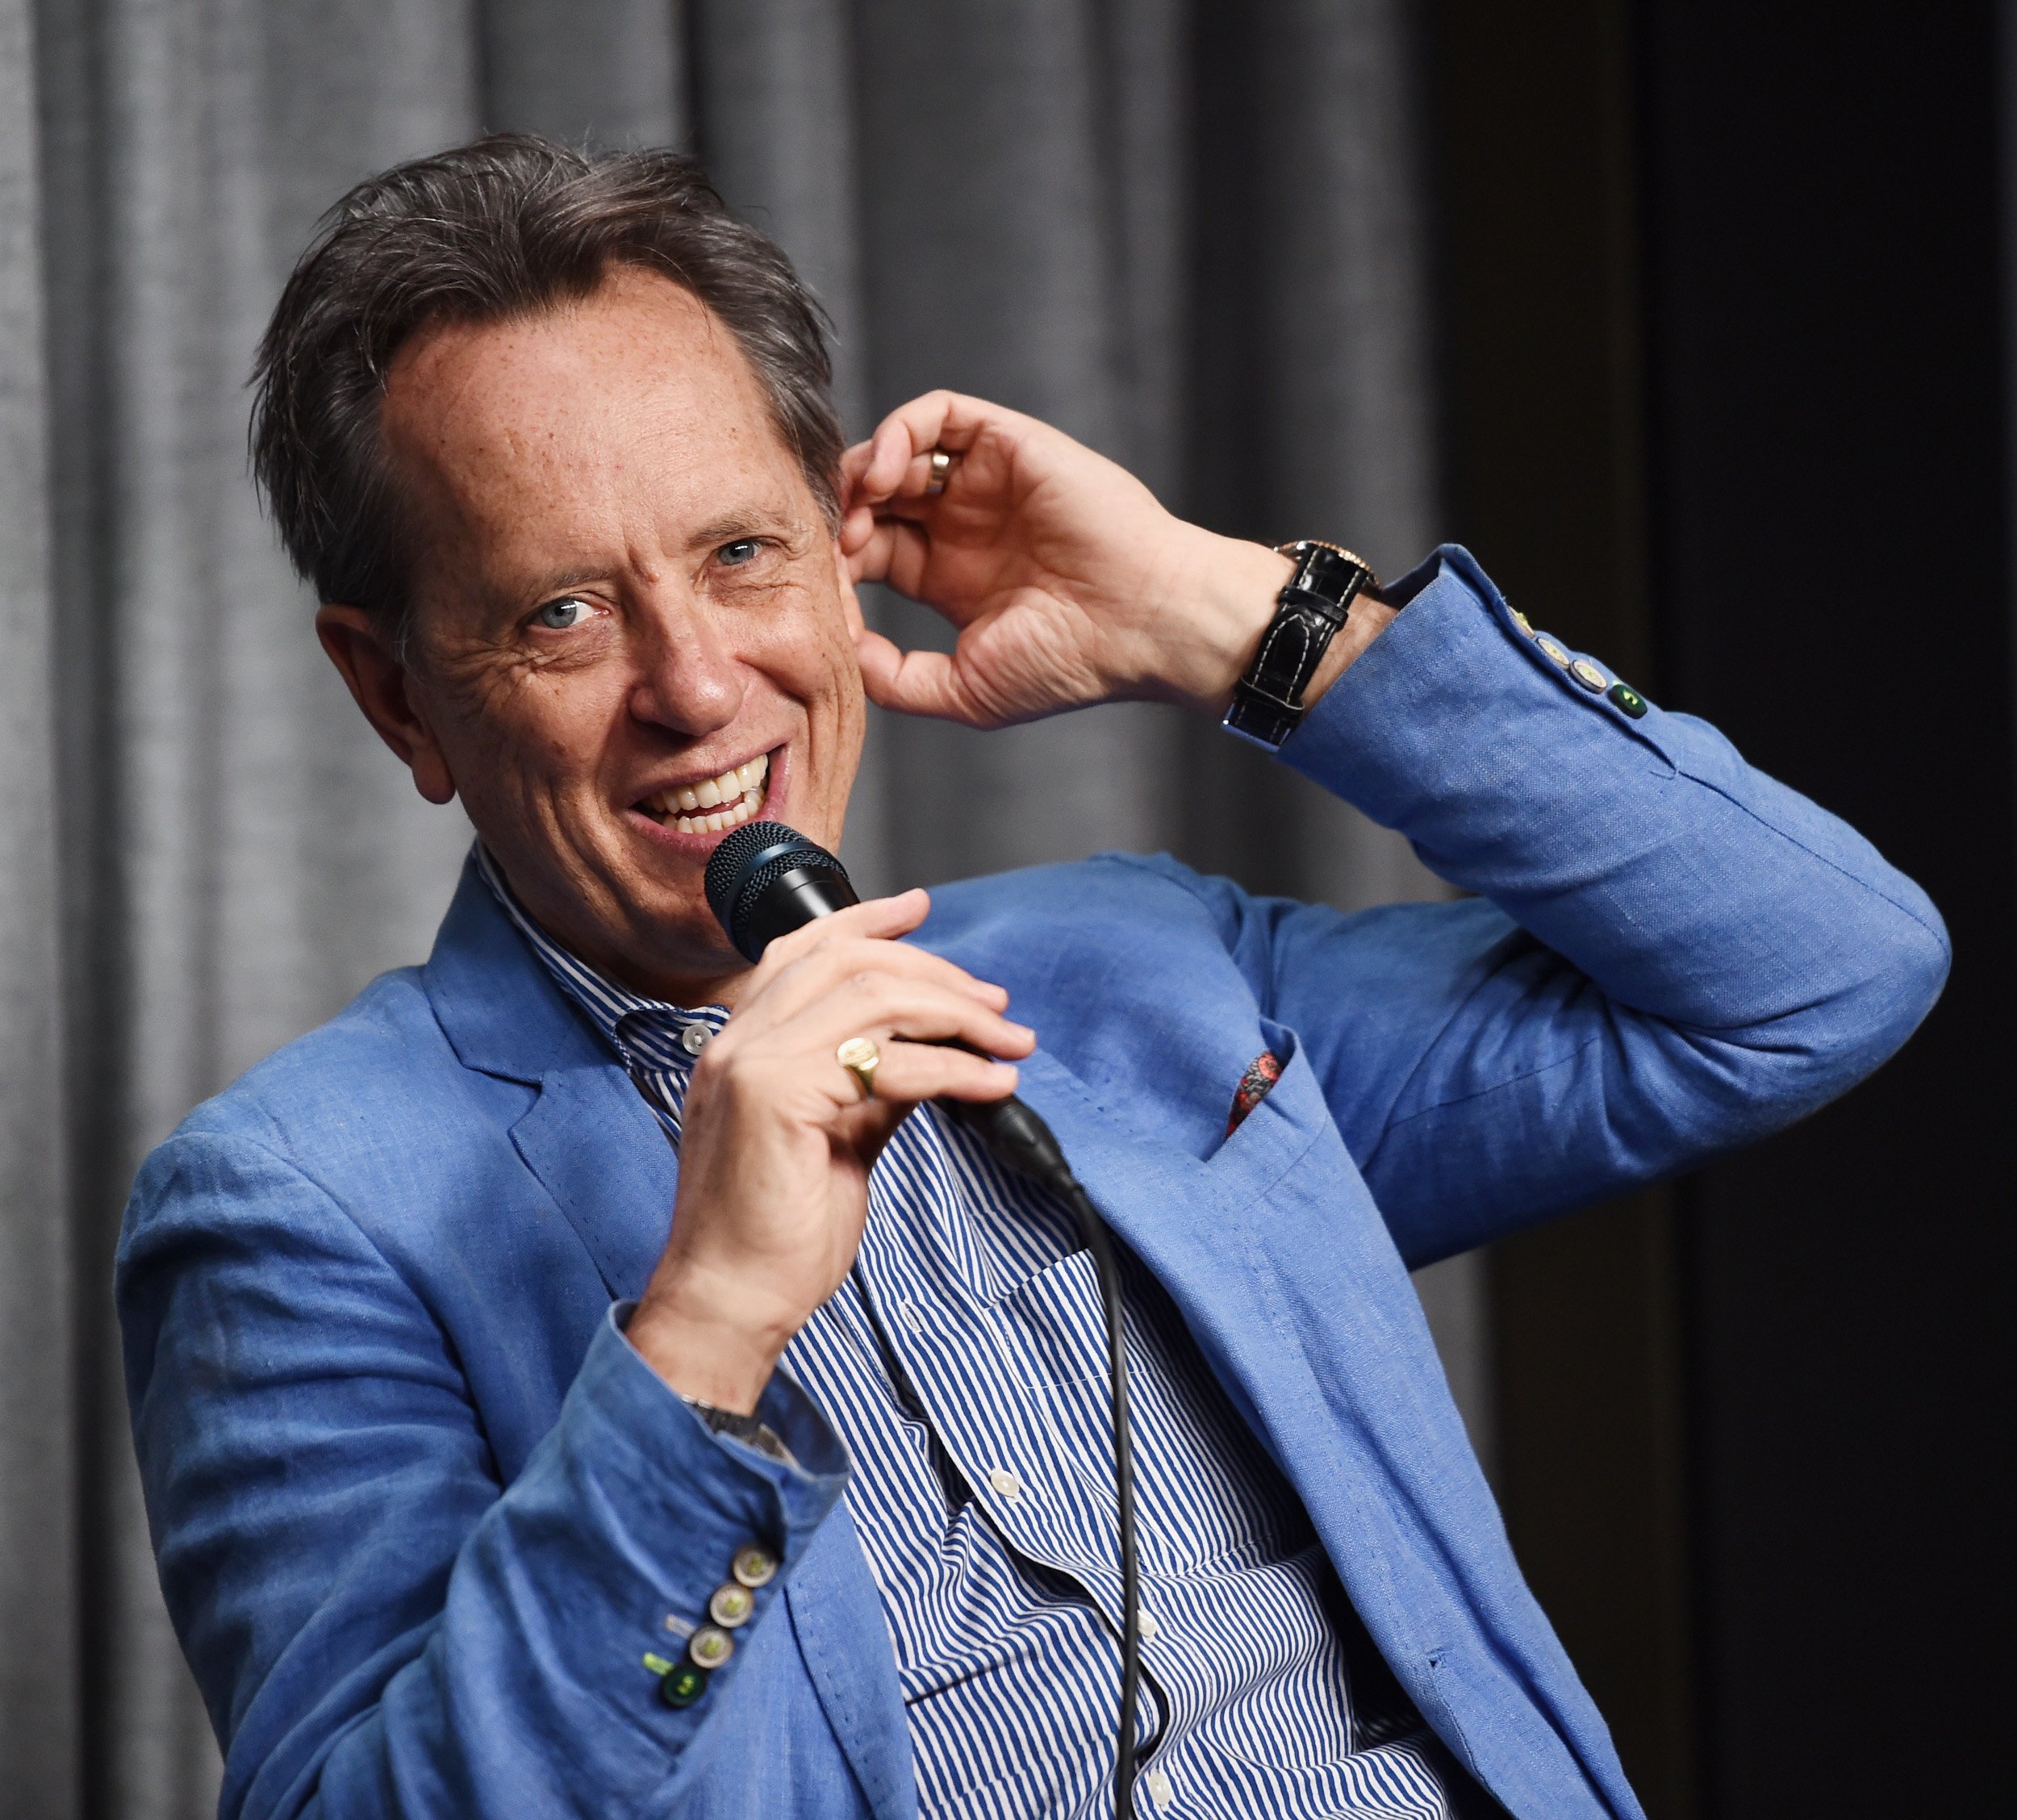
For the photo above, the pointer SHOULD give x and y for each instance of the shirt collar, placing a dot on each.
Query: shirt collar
(642, 1031)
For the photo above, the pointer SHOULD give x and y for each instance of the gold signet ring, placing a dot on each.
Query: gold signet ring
(859, 1057)
(942, 466)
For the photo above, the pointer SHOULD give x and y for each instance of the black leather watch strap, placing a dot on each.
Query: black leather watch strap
(1267, 701)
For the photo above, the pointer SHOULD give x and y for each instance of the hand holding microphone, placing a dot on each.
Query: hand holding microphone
(778, 1139)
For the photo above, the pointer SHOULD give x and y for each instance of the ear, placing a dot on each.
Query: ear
(383, 687)
(850, 601)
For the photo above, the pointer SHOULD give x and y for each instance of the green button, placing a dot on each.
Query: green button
(684, 1685)
(1628, 699)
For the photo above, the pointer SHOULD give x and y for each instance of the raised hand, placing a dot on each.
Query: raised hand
(1070, 584)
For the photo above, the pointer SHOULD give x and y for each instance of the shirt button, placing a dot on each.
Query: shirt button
(693, 1038)
(1161, 1791)
(911, 1318)
(1145, 1622)
(1006, 1483)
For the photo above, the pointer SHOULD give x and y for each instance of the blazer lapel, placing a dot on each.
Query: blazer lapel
(599, 1151)
(589, 1138)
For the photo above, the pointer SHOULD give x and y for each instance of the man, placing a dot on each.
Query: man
(563, 1386)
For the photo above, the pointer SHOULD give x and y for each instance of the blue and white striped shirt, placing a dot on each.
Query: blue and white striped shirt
(963, 1365)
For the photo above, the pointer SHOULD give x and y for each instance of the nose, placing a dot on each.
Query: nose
(689, 680)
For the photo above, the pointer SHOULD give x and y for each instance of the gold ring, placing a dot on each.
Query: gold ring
(942, 466)
(859, 1057)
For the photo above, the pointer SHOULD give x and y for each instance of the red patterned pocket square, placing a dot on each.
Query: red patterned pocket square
(1262, 1073)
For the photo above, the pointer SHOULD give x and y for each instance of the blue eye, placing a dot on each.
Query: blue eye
(742, 550)
(563, 614)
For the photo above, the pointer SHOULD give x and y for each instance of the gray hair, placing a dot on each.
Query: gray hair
(509, 226)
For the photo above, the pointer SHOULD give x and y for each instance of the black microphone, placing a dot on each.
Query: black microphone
(766, 879)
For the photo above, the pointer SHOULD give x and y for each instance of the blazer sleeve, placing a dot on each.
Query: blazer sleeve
(1669, 953)
(378, 1626)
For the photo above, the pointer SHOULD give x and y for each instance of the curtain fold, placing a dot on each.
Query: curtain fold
(1194, 235)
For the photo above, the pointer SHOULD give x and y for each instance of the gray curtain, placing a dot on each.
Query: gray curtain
(1195, 238)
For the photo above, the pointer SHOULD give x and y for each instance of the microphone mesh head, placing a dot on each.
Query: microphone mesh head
(748, 858)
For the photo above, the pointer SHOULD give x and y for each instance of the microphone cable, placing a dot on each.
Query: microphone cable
(766, 879)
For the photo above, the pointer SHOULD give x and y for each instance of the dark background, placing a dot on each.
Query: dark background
(1725, 348)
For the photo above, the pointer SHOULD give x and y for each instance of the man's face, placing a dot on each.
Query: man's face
(630, 618)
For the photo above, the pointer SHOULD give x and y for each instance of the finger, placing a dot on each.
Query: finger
(889, 452)
(897, 553)
(940, 419)
(880, 919)
(909, 1072)
(820, 972)
(924, 683)
(805, 973)
(885, 1007)
(874, 918)
(852, 993)
(857, 528)
(915, 492)
(869, 544)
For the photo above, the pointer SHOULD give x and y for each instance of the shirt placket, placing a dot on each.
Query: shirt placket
(931, 1296)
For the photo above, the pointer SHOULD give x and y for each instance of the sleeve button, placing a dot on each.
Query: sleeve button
(732, 1605)
(683, 1686)
(709, 1646)
(1550, 650)
(1587, 673)
(754, 1567)
(1628, 700)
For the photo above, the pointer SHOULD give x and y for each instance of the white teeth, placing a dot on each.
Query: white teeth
(735, 796)
(738, 812)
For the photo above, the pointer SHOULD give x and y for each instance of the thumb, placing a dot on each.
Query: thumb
(924, 682)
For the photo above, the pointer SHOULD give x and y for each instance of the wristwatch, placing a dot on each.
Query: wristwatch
(1267, 701)
(748, 1430)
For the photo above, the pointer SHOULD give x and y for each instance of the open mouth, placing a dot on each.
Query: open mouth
(721, 802)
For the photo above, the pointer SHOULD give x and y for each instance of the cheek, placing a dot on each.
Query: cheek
(812, 659)
(537, 732)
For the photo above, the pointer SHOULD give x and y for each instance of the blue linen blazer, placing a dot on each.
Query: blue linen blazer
(421, 1512)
